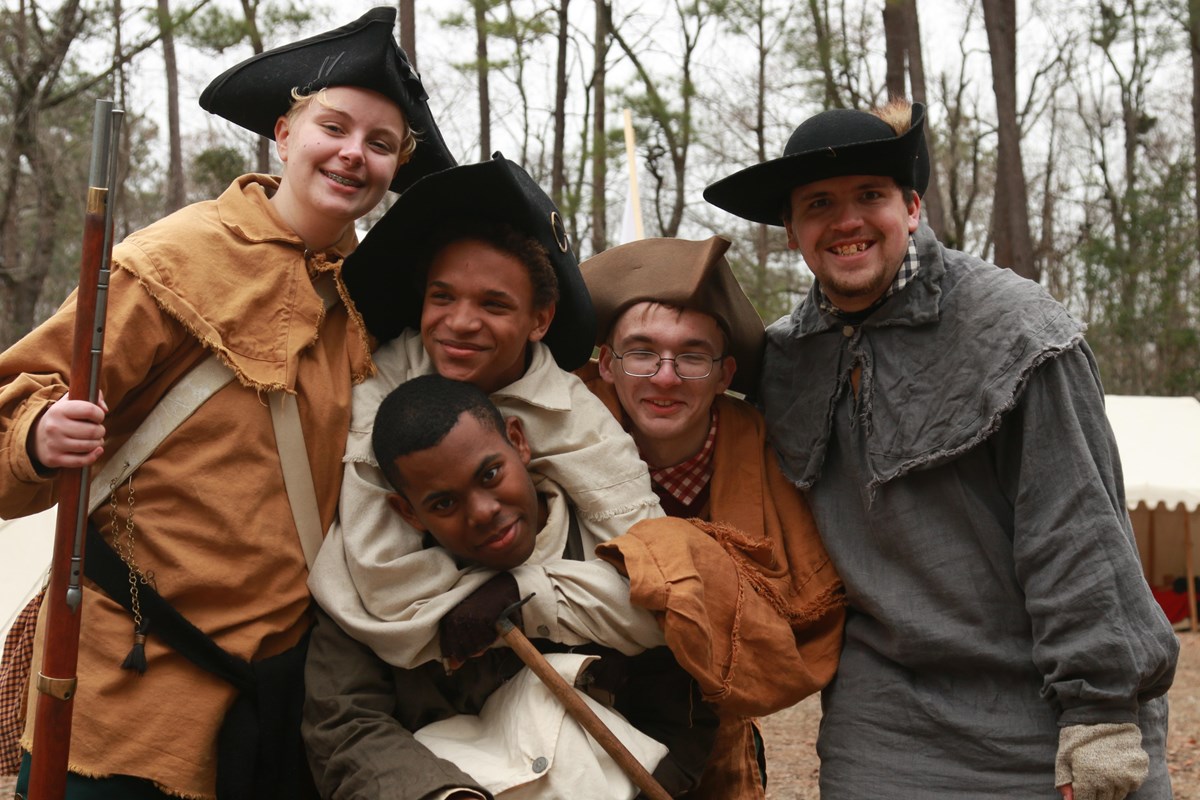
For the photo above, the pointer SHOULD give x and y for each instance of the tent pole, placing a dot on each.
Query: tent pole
(1148, 567)
(1190, 562)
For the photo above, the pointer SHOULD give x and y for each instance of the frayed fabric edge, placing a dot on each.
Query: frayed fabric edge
(208, 344)
(831, 599)
(360, 325)
(609, 513)
(737, 545)
(993, 424)
(84, 772)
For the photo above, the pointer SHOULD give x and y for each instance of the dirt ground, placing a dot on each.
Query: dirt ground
(792, 734)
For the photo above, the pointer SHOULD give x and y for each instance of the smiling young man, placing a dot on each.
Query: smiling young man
(459, 474)
(946, 421)
(489, 295)
(466, 485)
(856, 229)
(667, 365)
(675, 331)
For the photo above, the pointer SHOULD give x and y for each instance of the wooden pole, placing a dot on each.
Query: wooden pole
(1189, 561)
(631, 158)
(579, 710)
(408, 31)
(1151, 534)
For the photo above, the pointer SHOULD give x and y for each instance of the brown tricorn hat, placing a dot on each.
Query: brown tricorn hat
(364, 53)
(685, 274)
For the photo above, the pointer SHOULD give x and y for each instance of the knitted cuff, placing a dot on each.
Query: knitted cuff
(1101, 762)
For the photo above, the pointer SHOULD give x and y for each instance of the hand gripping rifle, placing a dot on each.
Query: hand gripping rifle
(64, 596)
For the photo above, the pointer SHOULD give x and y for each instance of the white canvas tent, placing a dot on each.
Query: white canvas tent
(1159, 440)
(25, 548)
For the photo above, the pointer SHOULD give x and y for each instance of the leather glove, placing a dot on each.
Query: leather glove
(1101, 762)
(470, 627)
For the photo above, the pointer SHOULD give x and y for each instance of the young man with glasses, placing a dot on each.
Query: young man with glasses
(762, 629)
(669, 399)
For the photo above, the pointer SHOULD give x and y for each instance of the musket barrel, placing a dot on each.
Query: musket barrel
(112, 129)
(101, 141)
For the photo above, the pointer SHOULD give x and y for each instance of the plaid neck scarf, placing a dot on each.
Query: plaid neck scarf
(686, 480)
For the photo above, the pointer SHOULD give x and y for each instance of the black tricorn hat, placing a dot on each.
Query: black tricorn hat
(685, 274)
(388, 287)
(258, 91)
(828, 145)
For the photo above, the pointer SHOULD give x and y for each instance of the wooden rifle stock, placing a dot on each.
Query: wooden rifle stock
(62, 605)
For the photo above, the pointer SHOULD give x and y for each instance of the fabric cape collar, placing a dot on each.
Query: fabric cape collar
(257, 313)
(954, 349)
(543, 385)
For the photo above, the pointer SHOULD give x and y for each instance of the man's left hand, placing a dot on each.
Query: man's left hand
(469, 628)
(1100, 762)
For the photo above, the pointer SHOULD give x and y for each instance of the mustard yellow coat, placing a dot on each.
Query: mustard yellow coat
(212, 520)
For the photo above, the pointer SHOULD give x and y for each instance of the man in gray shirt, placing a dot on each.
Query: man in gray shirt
(946, 420)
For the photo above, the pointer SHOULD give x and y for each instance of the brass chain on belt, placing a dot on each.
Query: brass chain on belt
(123, 539)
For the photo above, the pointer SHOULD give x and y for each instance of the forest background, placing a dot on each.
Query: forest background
(1064, 133)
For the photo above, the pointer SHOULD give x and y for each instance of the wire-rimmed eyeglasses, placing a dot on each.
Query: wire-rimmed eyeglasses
(647, 363)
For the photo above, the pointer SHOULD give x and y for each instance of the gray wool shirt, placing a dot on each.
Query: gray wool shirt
(971, 498)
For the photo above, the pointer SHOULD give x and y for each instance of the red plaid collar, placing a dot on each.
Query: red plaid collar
(685, 481)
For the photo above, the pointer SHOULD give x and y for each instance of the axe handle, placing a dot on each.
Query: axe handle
(579, 710)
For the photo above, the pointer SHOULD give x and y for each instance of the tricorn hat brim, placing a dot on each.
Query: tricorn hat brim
(257, 92)
(684, 274)
(828, 145)
(388, 288)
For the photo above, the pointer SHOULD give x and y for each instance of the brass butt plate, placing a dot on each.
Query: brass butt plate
(58, 688)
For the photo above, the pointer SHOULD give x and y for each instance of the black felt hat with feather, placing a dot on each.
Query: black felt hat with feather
(828, 145)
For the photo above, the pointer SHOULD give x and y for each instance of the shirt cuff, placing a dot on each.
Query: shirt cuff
(22, 466)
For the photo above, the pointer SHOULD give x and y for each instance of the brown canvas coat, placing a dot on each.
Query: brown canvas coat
(751, 606)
